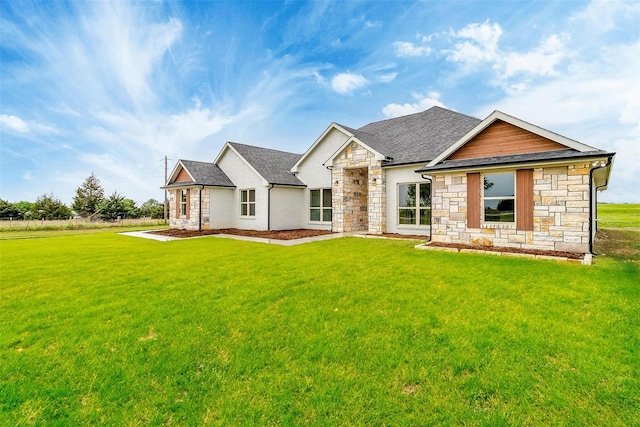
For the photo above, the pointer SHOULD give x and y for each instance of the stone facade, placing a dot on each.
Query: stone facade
(358, 194)
(560, 212)
(191, 223)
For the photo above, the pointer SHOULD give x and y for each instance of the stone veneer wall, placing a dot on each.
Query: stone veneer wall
(355, 156)
(192, 223)
(560, 212)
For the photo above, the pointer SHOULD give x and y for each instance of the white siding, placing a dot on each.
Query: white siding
(315, 175)
(222, 207)
(395, 176)
(245, 178)
(286, 204)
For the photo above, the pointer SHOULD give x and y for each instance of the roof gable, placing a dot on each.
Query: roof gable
(500, 139)
(317, 142)
(272, 166)
(190, 172)
(496, 116)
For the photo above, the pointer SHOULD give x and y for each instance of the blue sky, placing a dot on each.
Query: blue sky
(111, 87)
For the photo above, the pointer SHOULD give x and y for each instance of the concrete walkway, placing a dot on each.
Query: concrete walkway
(293, 242)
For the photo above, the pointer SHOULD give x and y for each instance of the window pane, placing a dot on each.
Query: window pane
(243, 209)
(406, 195)
(425, 195)
(326, 214)
(314, 214)
(252, 195)
(425, 216)
(499, 210)
(499, 185)
(243, 195)
(407, 216)
(326, 198)
(252, 209)
(315, 198)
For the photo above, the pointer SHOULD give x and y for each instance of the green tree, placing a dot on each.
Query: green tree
(88, 196)
(132, 211)
(48, 206)
(152, 209)
(8, 210)
(24, 209)
(113, 207)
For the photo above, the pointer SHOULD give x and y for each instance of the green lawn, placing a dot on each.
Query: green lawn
(618, 215)
(104, 329)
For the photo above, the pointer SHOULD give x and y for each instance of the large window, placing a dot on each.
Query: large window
(414, 204)
(247, 202)
(499, 197)
(320, 205)
(183, 202)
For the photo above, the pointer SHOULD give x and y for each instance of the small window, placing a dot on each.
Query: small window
(183, 202)
(247, 202)
(499, 197)
(414, 204)
(320, 205)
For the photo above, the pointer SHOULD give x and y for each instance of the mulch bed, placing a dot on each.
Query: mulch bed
(274, 234)
(569, 255)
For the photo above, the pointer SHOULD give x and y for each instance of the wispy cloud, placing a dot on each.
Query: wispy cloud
(408, 49)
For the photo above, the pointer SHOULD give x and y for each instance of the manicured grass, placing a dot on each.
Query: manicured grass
(104, 329)
(618, 215)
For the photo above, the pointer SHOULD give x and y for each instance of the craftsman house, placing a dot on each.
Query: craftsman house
(447, 176)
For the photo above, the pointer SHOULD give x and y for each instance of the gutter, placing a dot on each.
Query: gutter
(428, 178)
(200, 208)
(593, 202)
(269, 188)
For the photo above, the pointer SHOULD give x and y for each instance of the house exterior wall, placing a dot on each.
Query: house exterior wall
(395, 176)
(222, 208)
(560, 212)
(287, 204)
(354, 156)
(316, 176)
(245, 178)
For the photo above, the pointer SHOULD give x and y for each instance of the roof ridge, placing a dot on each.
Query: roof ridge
(261, 148)
(419, 112)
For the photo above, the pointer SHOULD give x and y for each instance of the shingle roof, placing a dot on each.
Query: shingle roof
(273, 165)
(417, 137)
(567, 154)
(203, 173)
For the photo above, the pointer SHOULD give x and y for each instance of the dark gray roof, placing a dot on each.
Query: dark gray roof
(417, 137)
(274, 166)
(203, 173)
(567, 154)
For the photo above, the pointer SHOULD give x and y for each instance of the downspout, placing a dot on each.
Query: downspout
(200, 208)
(269, 206)
(430, 207)
(593, 197)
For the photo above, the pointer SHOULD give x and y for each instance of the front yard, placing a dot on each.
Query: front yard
(99, 328)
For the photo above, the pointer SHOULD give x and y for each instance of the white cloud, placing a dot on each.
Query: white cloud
(387, 78)
(480, 43)
(541, 61)
(345, 83)
(422, 103)
(14, 123)
(408, 49)
(373, 24)
(28, 175)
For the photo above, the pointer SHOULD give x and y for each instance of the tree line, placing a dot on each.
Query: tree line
(89, 202)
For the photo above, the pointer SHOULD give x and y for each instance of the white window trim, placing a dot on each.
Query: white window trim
(498, 224)
(321, 207)
(248, 203)
(417, 207)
